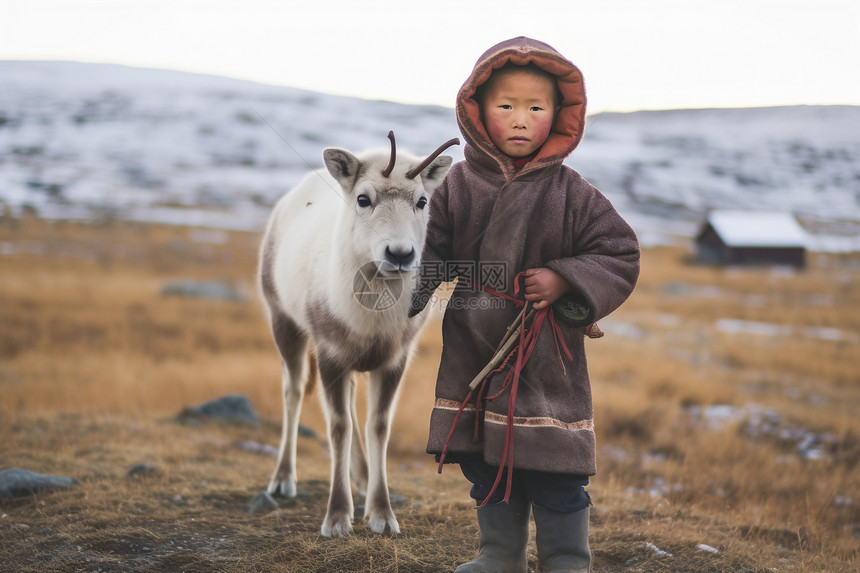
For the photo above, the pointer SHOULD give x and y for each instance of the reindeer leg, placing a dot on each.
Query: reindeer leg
(383, 390)
(336, 396)
(293, 346)
(358, 456)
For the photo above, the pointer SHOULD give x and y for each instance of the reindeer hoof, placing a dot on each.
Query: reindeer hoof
(336, 528)
(382, 525)
(282, 488)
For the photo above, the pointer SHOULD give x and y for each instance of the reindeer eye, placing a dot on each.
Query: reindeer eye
(364, 201)
(422, 202)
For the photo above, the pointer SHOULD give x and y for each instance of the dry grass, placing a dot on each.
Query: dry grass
(95, 364)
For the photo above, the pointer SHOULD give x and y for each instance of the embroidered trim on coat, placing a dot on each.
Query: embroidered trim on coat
(543, 421)
(445, 404)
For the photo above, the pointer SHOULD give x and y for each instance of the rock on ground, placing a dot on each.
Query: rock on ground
(231, 408)
(16, 482)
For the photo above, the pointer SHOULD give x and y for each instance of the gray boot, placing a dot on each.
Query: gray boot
(504, 537)
(562, 541)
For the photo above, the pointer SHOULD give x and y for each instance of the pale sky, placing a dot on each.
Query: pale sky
(635, 54)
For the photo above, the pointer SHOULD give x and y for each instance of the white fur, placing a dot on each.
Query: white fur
(317, 240)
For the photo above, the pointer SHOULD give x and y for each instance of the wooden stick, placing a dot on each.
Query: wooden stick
(511, 338)
(511, 327)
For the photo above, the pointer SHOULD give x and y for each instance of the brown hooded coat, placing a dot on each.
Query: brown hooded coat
(488, 216)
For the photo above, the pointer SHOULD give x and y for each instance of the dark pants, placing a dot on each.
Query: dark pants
(563, 493)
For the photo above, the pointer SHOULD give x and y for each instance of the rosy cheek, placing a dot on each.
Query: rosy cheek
(545, 129)
(494, 128)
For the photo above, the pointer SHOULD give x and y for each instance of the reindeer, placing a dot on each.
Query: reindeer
(337, 268)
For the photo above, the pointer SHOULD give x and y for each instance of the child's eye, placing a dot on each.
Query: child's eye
(536, 108)
(505, 106)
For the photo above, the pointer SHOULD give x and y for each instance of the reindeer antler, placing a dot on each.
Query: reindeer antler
(420, 167)
(388, 169)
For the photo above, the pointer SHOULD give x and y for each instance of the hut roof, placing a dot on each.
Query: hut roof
(756, 228)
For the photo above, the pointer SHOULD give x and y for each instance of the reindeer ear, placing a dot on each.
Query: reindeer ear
(433, 174)
(342, 165)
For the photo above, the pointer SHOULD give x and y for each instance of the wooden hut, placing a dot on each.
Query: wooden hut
(751, 238)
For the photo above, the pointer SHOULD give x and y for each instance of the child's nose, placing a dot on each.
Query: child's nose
(520, 119)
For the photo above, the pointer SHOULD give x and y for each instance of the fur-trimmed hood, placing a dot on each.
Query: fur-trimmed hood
(569, 124)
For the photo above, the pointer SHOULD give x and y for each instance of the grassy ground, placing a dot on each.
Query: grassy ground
(725, 401)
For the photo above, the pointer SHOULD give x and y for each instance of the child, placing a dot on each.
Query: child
(512, 222)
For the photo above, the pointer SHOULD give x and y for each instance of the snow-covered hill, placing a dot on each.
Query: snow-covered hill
(97, 140)
(674, 166)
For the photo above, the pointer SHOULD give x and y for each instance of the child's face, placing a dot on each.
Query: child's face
(518, 111)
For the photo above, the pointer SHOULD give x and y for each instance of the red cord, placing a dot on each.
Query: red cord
(523, 350)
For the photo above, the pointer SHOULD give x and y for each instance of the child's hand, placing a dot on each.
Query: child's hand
(544, 286)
